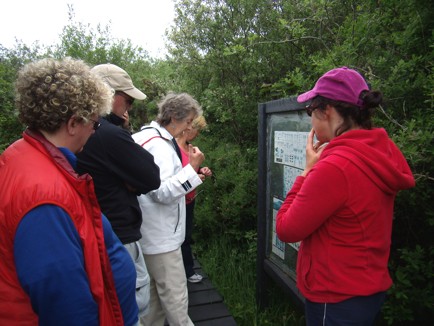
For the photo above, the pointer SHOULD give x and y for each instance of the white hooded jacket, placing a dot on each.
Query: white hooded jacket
(163, 209)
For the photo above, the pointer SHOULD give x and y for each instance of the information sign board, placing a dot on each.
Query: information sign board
(283, 130)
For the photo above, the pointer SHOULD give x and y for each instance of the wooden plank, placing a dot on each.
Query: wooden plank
(208, 312)
(201, 286)
(204, 297)
(225, 321)
(205, 305)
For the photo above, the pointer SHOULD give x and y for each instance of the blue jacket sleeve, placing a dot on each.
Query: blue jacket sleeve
(50, 267)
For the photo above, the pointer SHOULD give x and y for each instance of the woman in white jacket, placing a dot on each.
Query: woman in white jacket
(163, 210)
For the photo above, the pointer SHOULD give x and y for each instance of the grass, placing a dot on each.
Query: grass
(231, 267)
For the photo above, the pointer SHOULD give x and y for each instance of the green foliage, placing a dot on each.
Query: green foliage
(411, 298)
(226, 202)
(234, 54)
(10, 61)
(230, 264)
(80, 41)
(10, 130)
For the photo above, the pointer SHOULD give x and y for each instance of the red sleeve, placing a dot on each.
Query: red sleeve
(310, 202)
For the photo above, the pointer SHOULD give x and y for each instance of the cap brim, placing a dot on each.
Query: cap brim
(306, 96)
(135, 93)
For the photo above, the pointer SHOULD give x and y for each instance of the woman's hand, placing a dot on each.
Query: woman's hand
(313, 152)
(206, 171)
(196, 157)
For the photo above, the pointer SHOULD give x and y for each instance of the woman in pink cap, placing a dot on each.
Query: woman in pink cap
(341, 206)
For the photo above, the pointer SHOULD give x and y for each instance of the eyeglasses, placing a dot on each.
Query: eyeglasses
(127, 98)
(310, 109)
(96, 124)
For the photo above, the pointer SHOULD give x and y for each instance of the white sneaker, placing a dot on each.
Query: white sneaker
(195, 278)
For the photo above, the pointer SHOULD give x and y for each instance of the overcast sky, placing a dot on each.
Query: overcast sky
(142, 21)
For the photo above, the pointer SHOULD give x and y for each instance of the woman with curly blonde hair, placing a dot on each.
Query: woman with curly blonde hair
(50, 92)
(61, 263)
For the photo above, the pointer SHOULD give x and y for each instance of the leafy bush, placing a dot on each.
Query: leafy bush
(411, 298)
(232, 55)
(235, 51)
(227, 202)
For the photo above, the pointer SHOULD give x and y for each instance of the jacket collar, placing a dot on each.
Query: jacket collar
(38, 140)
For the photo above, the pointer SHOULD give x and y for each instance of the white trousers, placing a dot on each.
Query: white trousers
(169, 293)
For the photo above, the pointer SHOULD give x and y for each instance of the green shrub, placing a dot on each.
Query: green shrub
(411, 298)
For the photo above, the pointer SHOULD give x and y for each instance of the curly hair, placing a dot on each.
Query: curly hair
(49, 92)
(177, 106)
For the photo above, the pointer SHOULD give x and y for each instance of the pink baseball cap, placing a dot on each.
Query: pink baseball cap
(340, 84)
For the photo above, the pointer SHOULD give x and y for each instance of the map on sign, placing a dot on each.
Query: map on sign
(290, 148)
(289, 151)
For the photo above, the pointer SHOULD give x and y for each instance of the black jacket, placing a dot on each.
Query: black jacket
(121, 170)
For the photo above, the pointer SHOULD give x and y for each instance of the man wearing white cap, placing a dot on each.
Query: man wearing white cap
(121, 170)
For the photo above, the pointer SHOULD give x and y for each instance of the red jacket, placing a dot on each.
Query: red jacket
(342, 212)
(33, 173)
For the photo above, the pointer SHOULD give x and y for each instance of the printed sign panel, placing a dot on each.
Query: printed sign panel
(283, 127)
(287, 134)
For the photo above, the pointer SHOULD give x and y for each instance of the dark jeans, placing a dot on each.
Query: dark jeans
(357, 311)
(187, 254)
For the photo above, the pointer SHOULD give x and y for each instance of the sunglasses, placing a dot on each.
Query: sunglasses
(127, 98)
(310, 109)
(96, 124)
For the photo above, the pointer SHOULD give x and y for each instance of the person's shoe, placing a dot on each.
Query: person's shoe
(195, 278)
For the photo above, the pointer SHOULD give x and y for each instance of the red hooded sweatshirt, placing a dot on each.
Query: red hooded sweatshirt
(342, 211)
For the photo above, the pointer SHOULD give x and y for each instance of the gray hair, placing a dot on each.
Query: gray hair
(177, 106)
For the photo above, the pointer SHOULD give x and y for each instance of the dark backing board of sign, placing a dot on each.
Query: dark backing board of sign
(283, 126)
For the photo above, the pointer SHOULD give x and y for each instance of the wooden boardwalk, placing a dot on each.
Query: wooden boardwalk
(206, 306)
